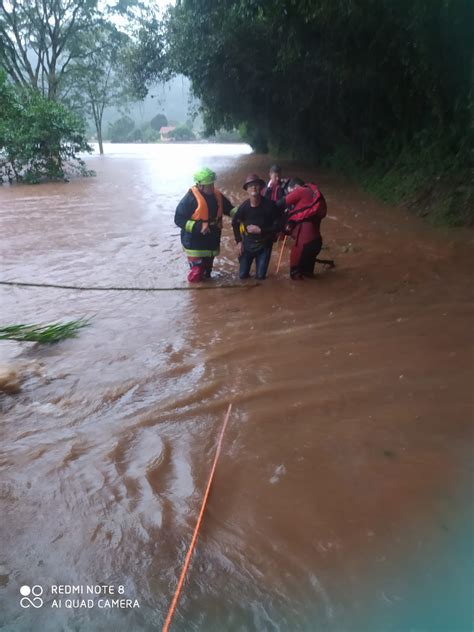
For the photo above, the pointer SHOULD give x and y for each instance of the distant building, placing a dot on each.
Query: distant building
(165, 132)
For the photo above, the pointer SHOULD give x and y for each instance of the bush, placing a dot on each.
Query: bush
(149, 135)
(182, 133)
(226, 136)
(39, 138)
(135, 136)
(121, 131)
(425, 175)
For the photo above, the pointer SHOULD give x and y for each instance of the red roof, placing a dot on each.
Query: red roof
(167, 130)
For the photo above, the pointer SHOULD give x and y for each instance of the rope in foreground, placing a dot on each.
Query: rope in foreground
(187, 561)
(130, 289)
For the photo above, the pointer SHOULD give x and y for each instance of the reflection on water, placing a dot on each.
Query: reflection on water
(338, 495)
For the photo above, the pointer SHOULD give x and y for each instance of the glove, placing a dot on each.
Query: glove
(289, 227)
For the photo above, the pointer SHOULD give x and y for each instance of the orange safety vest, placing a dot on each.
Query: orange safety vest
(202, 211)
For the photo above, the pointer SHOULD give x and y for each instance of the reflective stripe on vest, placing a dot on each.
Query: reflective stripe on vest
(201, 253)
(188, 227)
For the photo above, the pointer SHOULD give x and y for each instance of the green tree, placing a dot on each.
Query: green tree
(39, 138)
(145, 60)
(182, 132)
(121, 130)
(149, 135)
(308, 76)
(95, 82)
(158, 121)
(380, 86)
(39, 40)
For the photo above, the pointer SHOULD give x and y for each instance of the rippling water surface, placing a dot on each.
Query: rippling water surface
(340, 497)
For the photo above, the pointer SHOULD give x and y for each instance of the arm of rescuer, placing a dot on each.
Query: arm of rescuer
(278, 218)
(185, 210)
(238, 218)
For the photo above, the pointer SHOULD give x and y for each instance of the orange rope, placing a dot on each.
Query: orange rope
(281, 253)
(174, 603)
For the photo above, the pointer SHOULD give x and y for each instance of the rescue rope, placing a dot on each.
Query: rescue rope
(281, 253)
(130, 289)
(177, 593)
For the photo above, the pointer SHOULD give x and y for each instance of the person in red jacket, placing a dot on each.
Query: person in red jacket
(306, 207)
(276, 187)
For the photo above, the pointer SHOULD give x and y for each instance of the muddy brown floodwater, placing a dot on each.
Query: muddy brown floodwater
(345, 470)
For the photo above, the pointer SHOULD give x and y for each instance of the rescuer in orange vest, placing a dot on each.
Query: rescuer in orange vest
(199, 215)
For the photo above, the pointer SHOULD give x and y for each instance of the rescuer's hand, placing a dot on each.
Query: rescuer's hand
(240, 248)
(289, 227)
(252, 229)
(204, 228)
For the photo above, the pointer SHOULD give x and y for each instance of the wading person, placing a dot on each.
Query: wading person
(306, 207)
(276, 187)
(255, 223)
(199, 215)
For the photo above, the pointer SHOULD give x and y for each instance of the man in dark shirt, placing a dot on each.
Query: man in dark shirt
(255, 224)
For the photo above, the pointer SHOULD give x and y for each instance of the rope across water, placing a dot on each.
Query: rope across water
(131, 289)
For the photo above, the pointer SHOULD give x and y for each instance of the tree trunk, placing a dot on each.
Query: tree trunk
(98, 129)
(99, 139)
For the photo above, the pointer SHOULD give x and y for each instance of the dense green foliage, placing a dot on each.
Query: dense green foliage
(70, 51)
(39, 41)
(367, 84)
(146, 61)
(226, 136)
(311, 76)
(39, 138)
(124, 130)
(94, 83)
(120, 130)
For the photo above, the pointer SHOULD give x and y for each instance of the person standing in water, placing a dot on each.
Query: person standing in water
(276, 187)
(255, 223)
(306, 208)
(199, 215)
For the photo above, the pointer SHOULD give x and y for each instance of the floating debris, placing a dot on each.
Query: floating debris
(46, 334)
(10, 381)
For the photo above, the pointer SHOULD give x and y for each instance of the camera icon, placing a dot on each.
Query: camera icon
(36, 601)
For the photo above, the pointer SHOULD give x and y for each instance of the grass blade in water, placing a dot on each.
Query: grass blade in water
(53, 332)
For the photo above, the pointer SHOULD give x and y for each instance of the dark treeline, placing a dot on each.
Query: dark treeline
(378, 87)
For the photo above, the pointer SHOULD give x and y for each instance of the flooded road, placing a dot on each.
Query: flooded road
(342, 495)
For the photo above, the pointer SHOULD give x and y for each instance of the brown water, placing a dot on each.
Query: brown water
(347, 454)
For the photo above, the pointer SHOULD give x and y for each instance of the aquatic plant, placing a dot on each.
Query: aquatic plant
(47, 334)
